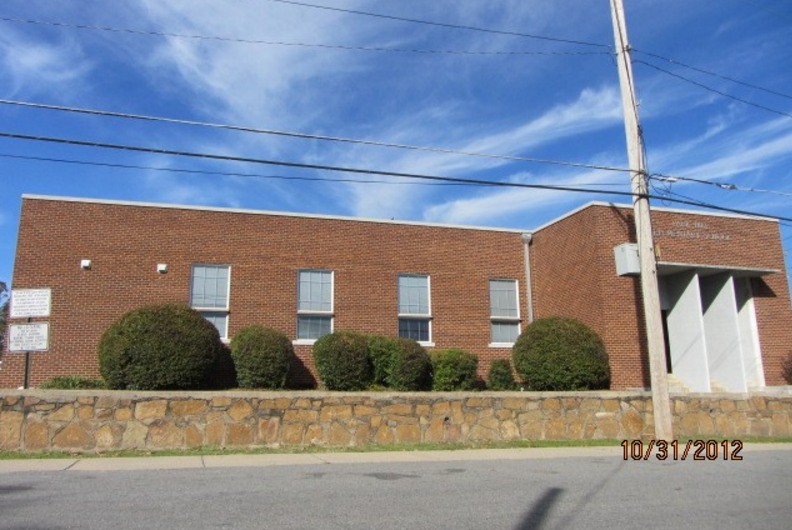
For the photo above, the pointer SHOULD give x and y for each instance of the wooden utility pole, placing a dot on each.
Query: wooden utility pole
(643, 229)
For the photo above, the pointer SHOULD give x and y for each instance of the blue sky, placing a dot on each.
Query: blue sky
(558, 102)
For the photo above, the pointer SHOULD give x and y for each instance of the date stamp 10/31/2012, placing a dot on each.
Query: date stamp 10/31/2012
(706, 450)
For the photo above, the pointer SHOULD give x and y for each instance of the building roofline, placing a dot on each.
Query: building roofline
(265, 212)
(656, 209)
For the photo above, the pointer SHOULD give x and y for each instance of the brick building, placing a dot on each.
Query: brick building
(725, 294)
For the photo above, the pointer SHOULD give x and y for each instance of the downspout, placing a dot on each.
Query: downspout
(526, 239)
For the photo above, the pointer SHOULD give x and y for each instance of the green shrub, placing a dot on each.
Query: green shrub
(410, 367)
(501, 376)
(72, 382)
(561, 354)
(454, 369)
(222, 375)
(381, 350)
(162, 347)
(342, 360)
(261, 357)
(788, 369)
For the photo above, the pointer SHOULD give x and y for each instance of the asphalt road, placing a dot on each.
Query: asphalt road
(591, 492)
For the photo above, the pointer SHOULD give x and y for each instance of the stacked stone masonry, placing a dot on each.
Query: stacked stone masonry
(80, 421)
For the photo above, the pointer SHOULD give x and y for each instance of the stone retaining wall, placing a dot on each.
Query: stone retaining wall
(79, 421)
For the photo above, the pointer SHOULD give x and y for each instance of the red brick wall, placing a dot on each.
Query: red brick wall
(125, 244)
(572, 261)
(574, 274)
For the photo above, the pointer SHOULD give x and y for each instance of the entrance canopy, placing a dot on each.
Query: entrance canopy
(665, 268)
(711, 329)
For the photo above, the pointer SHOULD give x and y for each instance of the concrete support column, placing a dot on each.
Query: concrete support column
(722, 331)
(749, 334)
(686, 333)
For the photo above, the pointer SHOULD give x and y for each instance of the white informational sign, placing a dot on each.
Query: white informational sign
(28, 337)
(30, 303)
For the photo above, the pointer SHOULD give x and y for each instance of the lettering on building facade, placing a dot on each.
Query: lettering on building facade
(691, 230)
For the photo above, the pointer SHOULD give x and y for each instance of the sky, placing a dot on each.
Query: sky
(340, 74)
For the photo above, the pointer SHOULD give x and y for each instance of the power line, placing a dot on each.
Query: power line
(148, 33)
(714, 74)
(722, 185)
(255, 175)
(703, 204)
(142, 117)
(441, 24)
(228, 158)
(716, 91)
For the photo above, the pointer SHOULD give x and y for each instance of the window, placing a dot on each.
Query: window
(504, 312)
(209, 294)
(314, 304)
(415, 316)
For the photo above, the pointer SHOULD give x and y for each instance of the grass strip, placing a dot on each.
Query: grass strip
(214, 451)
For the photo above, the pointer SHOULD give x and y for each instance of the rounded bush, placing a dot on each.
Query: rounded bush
(382, 350)
(261, 357)
(454, 369)
(787, 369)
(342, 360)
(501, 376)
(410, 367)
(561, 354)
(162, 347)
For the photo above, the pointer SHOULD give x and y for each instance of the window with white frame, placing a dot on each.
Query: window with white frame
(504, 312)
(209, 290)
(415, 315)
(314, 304)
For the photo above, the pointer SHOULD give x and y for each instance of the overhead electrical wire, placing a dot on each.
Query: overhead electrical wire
(714, 90)
(149, 33)
(722, 185)
(258, 175)
(228, 158)
(704, 204)
(309, 136)
(441, 24)
(434, 178)
(711, 73)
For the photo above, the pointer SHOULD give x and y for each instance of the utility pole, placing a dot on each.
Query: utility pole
(643, 230)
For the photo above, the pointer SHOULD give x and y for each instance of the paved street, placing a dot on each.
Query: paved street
(524, 489)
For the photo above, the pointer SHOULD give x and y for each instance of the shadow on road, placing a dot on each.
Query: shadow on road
(540, 511)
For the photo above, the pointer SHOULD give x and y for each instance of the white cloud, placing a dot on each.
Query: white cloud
(253, 83)
(34, 66)
(516, 205)
(735, 150)
(593, 110)
(196, 189)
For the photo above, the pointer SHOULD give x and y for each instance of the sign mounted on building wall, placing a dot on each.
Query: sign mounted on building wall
(28, 337)
(30, 303)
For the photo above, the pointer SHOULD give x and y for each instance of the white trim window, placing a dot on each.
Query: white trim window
(504, 312)
(314, 305)
(415, 308)
(210, 286)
